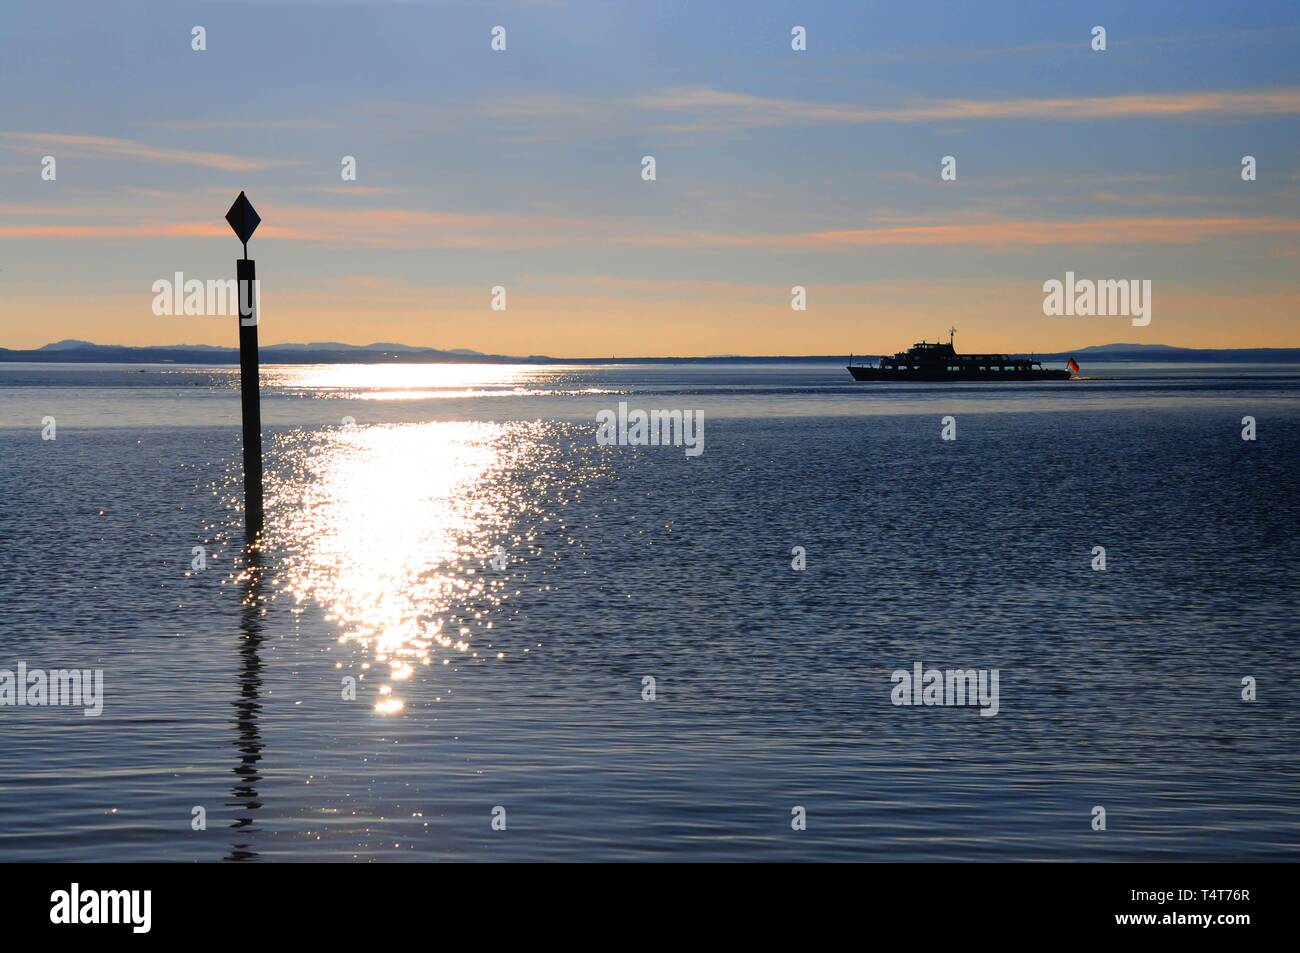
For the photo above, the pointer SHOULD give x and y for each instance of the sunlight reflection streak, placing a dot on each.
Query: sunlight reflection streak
(387, 527)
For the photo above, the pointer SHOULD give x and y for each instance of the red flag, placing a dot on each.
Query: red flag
(1074, 366)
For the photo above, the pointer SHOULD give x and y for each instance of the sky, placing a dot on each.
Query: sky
(774, 168)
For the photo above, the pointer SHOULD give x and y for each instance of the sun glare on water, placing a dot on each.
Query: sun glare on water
(407, 381)
(389, 529)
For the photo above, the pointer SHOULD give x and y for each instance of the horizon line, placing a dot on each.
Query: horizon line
(469, 355)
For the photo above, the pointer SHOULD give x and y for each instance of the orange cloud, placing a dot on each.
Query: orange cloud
(407, 228)
(303, 223)
(139, 230)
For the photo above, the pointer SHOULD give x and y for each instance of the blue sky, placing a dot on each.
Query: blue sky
(774, 168)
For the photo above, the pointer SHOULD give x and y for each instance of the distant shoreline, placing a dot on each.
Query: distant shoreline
(85, 353)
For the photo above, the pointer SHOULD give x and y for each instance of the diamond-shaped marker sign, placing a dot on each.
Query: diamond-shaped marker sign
(243, 218)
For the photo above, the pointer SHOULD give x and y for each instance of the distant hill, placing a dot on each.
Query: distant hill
(1096, 348)
(325, 352)
(1155, 353)
(332, 352)
(66, 345)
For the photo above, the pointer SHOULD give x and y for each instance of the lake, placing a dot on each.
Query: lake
(468, 615)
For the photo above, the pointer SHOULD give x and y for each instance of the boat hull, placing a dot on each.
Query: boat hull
(876, 374)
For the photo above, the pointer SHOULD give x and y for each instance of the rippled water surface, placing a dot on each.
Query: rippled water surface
(460, 596)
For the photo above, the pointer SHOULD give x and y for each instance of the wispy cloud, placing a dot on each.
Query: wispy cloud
(147, 229)
(385, 227)
(714, 106)
(406, 228)
(556, 116)
(1001, 233)
(108, 147)
(696, 110)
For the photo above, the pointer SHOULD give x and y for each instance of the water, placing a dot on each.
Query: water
(521, 688)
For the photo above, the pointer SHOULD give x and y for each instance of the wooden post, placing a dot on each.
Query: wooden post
(243, 219)
(249, 396)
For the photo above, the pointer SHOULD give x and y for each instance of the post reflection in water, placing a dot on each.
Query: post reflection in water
(248, 743)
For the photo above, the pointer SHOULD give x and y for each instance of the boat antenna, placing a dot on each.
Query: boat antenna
(951, 332)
